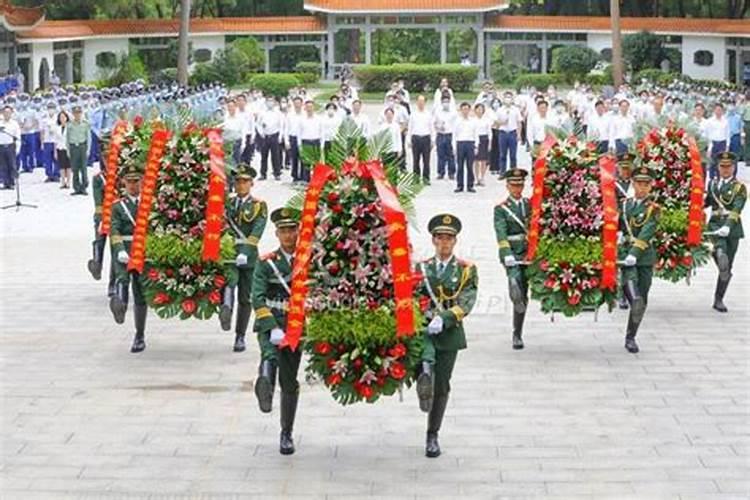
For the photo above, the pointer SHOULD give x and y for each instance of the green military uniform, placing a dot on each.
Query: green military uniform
(639, 219)
(272, 281)
(726, 196)
(511, 223)
(451, 287)
(121, 239)
(98, 245)
(78, 136)
(622, 193)
(247, 217)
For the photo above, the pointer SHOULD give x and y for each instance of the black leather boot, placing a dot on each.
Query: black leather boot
(111, 286)
(139, 341)
(517, 295)
(243, 319)
(518, 329)
(425, 387)
(94, 264)
(118, 303)
(264, 385)
(721, 289)
(434, 421)
(227, 308)
(288, 410)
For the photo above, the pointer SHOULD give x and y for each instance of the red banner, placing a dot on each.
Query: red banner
(153, 161)
(607, 169)
(398, 246)
(697, 188)
(110, 187)
(215, 202)
(296, 315)
(540, 171)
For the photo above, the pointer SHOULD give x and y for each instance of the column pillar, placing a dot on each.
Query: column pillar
(368, 42)
(68, 66)
(330, 48)
(544, 53)
(267, 47)
(443, 46)
(480, 52)
(322, 49)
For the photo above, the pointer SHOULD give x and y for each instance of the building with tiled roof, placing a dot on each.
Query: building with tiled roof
(710, 48)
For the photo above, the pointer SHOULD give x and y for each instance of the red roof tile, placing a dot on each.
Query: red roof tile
(144, 27)
(404, 5)
(19, 18)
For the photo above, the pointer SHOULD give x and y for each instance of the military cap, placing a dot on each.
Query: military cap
(444, 224)
(727, 158)
(132, 172)
(51, 105)
(643, 174)
(625, 159)
(77, 109)
(245, 171)
(516, 176)
(285, 217)
(62, 102)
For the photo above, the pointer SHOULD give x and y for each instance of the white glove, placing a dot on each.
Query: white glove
(620, 238)
(122, 257)
(435, 326)
(629, 261)
(277, 335)
(510, 261)
(722, 232)
(241, 260)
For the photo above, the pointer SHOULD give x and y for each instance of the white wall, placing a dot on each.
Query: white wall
(212, 43)
(93, 47)
(716, 45)
(599, 41)
(40, 51)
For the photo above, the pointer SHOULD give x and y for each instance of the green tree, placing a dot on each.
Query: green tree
(573, 61)
(643, 50)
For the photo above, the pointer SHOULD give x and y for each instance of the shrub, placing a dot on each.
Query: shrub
(255, 56)
(230, 66)
(275, 84)
(538, 80)
(655, 76)
(419, 77)
(308, 67)
(505, 73)
(167, 75)
(129, 68)
(573, 61)
(643, 50)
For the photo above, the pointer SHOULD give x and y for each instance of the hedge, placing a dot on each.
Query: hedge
(274, 84)
(306, 78)
(656, 76)
(538, 80)
(419, 77)
(308, 67)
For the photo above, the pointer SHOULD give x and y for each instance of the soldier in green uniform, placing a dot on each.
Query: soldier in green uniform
(726, 196)
(451, 286)
(639, 218)
(271, 289)
(511, 223)
(247, 217)
(121, 238)
(100, 240)
(623, 192)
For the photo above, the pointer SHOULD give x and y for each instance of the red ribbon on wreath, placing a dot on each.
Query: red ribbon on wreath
(215, 201)
(110, 188)
(153, 161)
(540, 172)
(697, 191)
(607, 168)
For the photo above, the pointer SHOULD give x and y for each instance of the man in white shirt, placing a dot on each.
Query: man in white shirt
(10, 139)
(235, 130)
(249, 117)
(47, 124)
(361, 120)
(394, 133)
(419, 135)
(536, 130)
(310, 134)
(270, 123)
(622, 129)
(330, 123)
(598, 126)
(509, 118)
(467, 141)
(292, 131)
(717, 133)
(443, 119)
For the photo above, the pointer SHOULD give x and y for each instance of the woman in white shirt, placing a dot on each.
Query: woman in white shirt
(484, 126)
(61, 150)
(394, 132)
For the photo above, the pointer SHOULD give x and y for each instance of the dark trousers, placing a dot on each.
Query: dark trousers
(27, 154)
(130, 279)
(508, 148)
(8, 169)
(48, 160)
(78, 164)
(495, 150)
(717, 147)
(245, 285)
(236, 151)
(443, 363)
(305, 169)
(602, 147)
(465, 160)
(445, 157)
(247, 154)
(746, 154)
(288, 362)
(420, 151)
(621, 147)
(94, 151)
(294, 157)
(270, 146)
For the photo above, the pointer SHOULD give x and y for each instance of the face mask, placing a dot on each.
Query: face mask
(560, 110)
(507, 101)
(446, 106)
(269, 105)
(495, 105)
(330, 113)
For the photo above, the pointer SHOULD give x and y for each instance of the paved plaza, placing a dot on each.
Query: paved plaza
(571, 416)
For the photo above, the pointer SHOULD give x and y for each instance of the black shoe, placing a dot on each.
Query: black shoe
(239, 343)
(426, 182)
(471, 190)
(458, 190)
(441, 177)
(286, 443)
(623, 303)
(277, 177)
(425, 388)
(139, 344)
(225, 319)
(517, 342)
(631, 346)
(118, 308)
(84, 193)
(719, 306)
(501, 177)
(262, 178)
(94, 269)
(432, 447)
(452, 177)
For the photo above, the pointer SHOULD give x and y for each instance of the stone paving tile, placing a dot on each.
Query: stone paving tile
(572, 416)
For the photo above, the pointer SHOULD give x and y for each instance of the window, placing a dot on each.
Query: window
(703, 58)
(106, 60)
(202, 55)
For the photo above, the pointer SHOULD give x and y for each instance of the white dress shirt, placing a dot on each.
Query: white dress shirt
(509, 118)
(270, 121)
(443, 121)
(235, 127)
(420, 123)
(484, 124)
(10, 132)
(598, 128)
(717, 129)
(310, 128)
(536, 128)
(329, 126)
(394, 132)
(621, 128)
(362, 122)
(467, 130)
(293, 123)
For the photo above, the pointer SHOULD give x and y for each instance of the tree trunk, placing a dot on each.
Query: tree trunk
(614, 8)
(182, 54)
